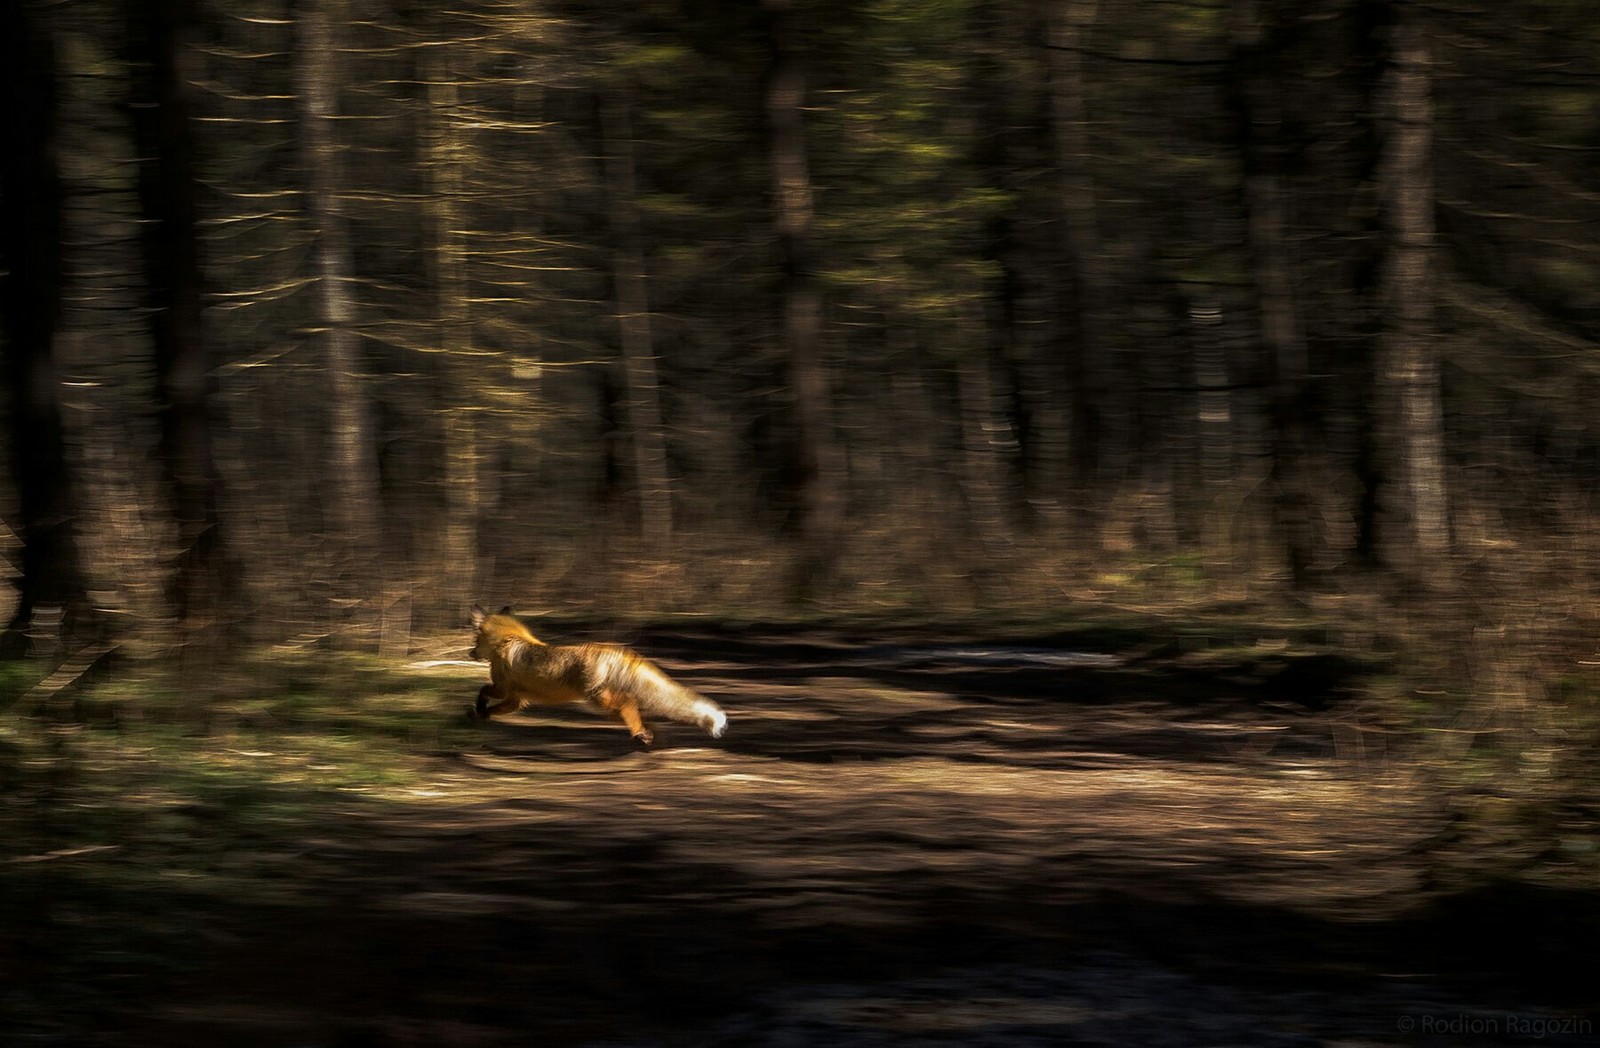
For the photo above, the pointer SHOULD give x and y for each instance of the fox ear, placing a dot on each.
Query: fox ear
(478, 615)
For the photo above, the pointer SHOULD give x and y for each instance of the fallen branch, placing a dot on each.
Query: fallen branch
(63, 853)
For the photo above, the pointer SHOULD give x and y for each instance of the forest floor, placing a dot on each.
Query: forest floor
(901, 841)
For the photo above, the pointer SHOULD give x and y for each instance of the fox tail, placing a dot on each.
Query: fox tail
(657, 693)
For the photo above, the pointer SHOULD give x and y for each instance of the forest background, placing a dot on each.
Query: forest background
(325, 319)
(1128, 467)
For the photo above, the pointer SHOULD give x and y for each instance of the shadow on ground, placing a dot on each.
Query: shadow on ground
(893, 846)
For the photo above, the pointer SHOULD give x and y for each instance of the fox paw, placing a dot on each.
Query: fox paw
(716, 724)
(645, 736)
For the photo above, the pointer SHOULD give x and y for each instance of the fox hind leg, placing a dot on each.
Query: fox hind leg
(629, 712)
(625, 707)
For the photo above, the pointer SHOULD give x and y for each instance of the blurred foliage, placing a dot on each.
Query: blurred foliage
(482, 248)
(482, 281)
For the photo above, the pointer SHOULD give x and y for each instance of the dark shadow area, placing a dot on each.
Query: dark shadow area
(959, 733)
(877, 854)
(512, 938)
(1028, 666)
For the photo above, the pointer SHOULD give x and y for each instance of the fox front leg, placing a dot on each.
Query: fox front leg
(510, 704)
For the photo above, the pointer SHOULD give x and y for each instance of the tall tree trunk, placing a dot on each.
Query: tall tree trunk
(351, 509)
(817, 468)
(1030, 470)
(446, 136)
(205, 578)
(642, 392)
(52, 580)
(1254, 79)
(1087, 371)
(1412, 509)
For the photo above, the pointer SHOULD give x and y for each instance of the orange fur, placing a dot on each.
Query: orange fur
(523, 670)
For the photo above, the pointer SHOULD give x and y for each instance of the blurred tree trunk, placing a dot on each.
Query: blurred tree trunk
(1087, 371)
(1214, 396)
(981, 425)
(351, 509)
(817, 467)
(205, 578)
(1256, 76)
(1035, 451)
(458, 568)
(1412, 522)
(52, 580)
(642, 393)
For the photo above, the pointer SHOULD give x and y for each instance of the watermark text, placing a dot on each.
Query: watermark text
(1496, 1024)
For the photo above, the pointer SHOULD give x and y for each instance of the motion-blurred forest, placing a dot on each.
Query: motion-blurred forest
(1271, 328)
(336, 315)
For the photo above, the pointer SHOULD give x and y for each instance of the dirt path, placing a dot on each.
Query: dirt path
(894, 845)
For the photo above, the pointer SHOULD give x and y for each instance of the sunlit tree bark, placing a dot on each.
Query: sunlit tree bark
(446, 160)
(351, 509)
(1413, 525)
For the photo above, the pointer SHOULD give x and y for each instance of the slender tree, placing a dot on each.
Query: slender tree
(1256, 80)
(447, 138)
(817, 470)
(631, 294)
(31, 240)
(351, 510)
(1413, 526)
(1036, 447)
(204, 579)
(1088, 372)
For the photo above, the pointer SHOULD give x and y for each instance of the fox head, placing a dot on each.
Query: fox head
(480, 625)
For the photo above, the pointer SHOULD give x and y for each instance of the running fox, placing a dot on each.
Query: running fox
(524, 669)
